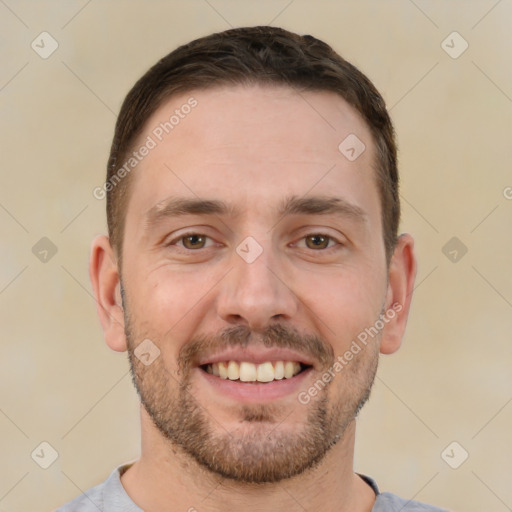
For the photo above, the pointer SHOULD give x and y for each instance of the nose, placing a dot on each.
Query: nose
(256, 294)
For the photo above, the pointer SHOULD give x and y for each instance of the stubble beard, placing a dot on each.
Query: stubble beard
(259, 450)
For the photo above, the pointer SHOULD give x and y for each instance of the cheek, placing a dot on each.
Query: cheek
(342, 304)
(164, 304)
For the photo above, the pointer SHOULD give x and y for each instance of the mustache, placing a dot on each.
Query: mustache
(277, 335)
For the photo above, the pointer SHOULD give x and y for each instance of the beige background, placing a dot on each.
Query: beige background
(452, 379)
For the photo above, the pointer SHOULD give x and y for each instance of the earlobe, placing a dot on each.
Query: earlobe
(104, 275)
(402, 273)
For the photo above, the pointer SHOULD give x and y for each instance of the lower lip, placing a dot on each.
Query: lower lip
(257, 392)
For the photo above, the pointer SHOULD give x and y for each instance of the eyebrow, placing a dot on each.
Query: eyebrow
(178, 206)
(293, 205)
(322, 205)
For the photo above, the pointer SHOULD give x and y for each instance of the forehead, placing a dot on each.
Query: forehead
(249, 144)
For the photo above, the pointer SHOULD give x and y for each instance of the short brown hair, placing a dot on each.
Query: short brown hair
(254, 55)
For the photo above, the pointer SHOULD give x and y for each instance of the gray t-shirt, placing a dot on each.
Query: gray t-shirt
(110, 496)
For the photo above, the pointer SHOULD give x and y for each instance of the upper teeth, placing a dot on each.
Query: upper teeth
(250, 372)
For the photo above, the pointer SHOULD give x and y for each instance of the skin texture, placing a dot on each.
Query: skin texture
(252, 148)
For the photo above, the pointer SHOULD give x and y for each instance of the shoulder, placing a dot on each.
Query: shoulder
(387, 502)
(108, 496)
(89, 501)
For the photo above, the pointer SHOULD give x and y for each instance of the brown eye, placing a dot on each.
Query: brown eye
(317, 241)
(194, 241)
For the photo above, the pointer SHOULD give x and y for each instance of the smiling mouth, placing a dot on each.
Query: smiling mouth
(245, 371)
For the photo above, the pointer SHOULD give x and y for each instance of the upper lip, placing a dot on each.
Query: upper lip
(255, 355)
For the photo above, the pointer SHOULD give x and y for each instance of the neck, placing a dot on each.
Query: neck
(165, 479)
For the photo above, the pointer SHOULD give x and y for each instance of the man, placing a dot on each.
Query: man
(253, 273)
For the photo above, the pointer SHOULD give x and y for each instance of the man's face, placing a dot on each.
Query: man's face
(252, 242)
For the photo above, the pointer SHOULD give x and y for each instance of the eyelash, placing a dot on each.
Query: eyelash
(185, 235)
(329, 237)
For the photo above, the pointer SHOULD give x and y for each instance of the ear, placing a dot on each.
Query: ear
(104, 275)
(402, 273)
